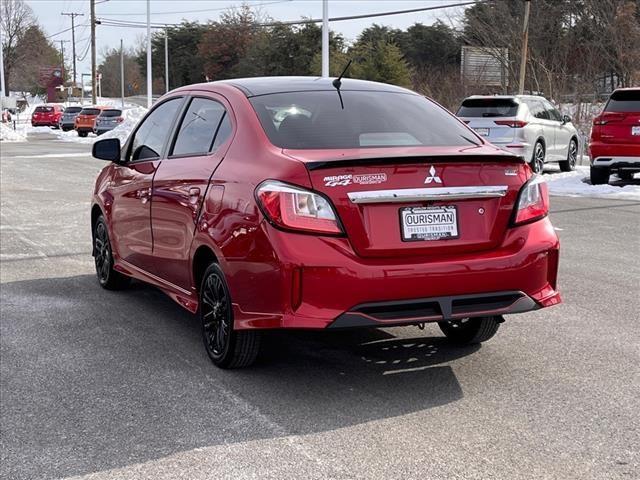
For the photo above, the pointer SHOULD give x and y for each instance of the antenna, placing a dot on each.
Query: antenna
(338, 81)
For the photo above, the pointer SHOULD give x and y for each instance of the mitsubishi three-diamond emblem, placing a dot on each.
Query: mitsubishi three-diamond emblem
(432, 177)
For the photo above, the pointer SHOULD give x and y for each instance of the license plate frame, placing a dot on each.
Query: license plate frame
(448, 230)
(635, 131)
(482, 131)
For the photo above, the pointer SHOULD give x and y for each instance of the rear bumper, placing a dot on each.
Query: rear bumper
(522, 149)
(318, 282)
(84, 129)
(614, 155)
(44, 124)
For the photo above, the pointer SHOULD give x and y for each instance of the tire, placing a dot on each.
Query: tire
(537, 160)
(469, 331)
(226, 347)
(109, 278)
(83, 134)
(625, 175)
(569, 164)
(599, 176)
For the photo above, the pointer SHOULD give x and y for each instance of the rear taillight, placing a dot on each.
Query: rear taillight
(119, 119)
(511, 123)
(294, 208)
(608, 117)
(533, 201)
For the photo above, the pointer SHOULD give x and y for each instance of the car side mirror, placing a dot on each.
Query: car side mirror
(566, 119)
(107, 149)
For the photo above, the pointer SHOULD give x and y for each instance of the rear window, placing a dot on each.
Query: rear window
(73, 109)
(111, 113)
(624, 101)
(89, 111)
(43, 109)
(488, 107)
(317, 120)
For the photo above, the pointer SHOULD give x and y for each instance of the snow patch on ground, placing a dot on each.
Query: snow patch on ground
(576, 184)
(8, 134)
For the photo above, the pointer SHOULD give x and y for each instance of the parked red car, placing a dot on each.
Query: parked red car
(47, 116)
(299, 202)
(615, 137)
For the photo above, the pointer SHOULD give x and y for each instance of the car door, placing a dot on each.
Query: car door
(181, 183)
(563, 131)
(546, 126)
(132, 181)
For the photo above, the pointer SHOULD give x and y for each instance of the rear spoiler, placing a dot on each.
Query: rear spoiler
(365, 161)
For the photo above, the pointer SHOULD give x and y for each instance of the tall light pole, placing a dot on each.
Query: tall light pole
(93, 51)
(166, 59)
(149, 86)
(325, 38)
(121, 73)
(525, 41)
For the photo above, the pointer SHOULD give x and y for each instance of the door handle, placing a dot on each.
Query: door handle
(194, 194)
(144, 195)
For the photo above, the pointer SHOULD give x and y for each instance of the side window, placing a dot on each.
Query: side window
(537, 109)
(198, 127)
(150, 136)
(552, 112)
(224, 132)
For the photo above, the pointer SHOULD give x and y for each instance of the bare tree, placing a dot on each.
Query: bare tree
(16, 17)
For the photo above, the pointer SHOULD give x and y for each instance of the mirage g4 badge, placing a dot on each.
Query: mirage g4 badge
(432, 177)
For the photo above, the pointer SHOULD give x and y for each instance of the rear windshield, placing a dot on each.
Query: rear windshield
(43, 109)
(488, 107)
(111, 113)
(624, 101)
(73, 109)
(89, 111)
(317, 120)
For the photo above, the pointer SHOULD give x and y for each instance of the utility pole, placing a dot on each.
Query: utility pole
(525, 41)
(62, 42)
(149, 84)
(93, 50)
(121, 73)
(73, 40)
(325, 38)
(166, 59)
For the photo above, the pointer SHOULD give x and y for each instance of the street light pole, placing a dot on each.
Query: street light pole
(149, 85)
(3, 87)
(93, 51)
(121, 73)
(166, 59)
(325, 38)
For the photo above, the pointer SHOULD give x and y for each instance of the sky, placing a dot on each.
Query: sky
(48, 13)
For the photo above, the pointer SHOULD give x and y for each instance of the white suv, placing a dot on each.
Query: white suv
(526, 125)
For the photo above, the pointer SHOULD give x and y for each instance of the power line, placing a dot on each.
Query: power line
(192, 11)
(136, 24)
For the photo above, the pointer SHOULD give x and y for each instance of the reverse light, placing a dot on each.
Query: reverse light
(295, 208)
(511, 123)
(533, 201)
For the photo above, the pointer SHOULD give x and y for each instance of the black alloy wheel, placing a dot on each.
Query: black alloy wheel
(469, 331)
(537, 162)
(227, 348)
(109, 278)
(569, 164)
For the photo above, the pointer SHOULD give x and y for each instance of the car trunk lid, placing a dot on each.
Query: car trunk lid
(620, 120)
(419, 201)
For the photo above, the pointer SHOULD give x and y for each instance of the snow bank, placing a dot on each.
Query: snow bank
(577, 184)
(8, 134)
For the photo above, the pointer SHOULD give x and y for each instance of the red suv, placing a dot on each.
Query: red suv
(47, 116)
(308, 203)
(615, 137)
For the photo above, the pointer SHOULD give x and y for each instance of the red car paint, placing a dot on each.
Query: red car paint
(169, 215)
(615, 136)
(47, 116)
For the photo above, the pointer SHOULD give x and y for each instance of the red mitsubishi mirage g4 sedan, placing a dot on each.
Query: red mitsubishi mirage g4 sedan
(316, 203)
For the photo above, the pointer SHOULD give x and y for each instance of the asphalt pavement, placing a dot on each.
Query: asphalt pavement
(102, 385)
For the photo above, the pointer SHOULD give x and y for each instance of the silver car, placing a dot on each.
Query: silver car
(526, 125)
